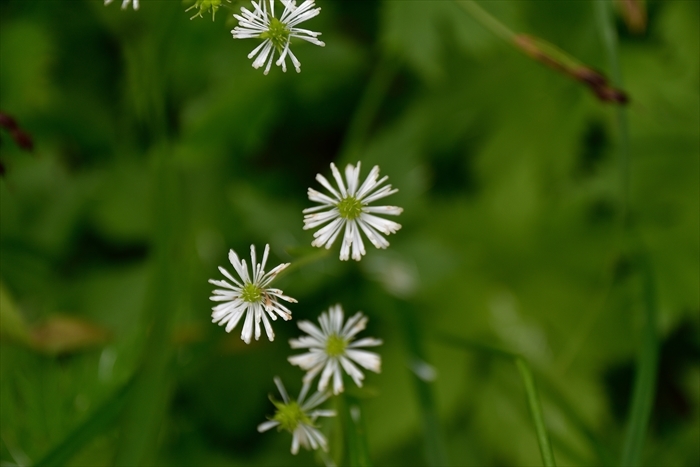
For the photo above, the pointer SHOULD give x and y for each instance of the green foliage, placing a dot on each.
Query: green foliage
(158, 148)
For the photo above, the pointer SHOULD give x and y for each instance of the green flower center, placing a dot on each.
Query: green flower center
(335, 345)
(278, 33)
(290, 415)
(251, 293)
(350, 208)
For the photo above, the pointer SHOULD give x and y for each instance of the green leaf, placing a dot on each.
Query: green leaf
(12, 324)
(100, 420)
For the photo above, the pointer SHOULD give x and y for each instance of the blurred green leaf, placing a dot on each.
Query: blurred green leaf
(12, 324)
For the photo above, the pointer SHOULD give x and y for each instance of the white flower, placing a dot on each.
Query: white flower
(297, 417)
(125, 3)
(250, 296)
(331, 347)
(276, 32)
(349, 207)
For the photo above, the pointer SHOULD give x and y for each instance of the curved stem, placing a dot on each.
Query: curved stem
(487, 20)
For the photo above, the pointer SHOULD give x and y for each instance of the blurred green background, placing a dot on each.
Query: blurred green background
(158, 147)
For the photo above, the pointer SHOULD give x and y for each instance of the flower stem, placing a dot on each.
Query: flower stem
(547, 54)
(646, 373)
(609, 36)
(304, 260)
(147, 404)
(487, 20)
(367, 110)
(647, 359)
(350, 414)
(435, 452)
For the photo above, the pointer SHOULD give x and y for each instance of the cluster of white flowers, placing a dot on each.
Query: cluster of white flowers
(261, 22)
(331, 347)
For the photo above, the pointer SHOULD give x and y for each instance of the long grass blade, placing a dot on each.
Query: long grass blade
(533, 399)
(355, 433)
(100, 420)
(645, 380)
(435, 452)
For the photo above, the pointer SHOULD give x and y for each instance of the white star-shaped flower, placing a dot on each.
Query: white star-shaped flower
(249, 296)
(298, 417)
(332, 349)
(125, 3)
(349, 207)
(277, 33)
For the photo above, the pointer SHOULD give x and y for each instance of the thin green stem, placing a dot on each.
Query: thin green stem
(533, 401)
(608, 33)
(350, 413)
(305, 260)
(367, 110)
(147, 405)
(435, 452)
(487, 20)
(531, 393)
(647, 360)
(646, 374)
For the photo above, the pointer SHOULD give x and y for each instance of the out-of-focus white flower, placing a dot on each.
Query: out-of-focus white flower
(125, 3)
(298, 417)
(331, 349)
(349, 207)
(251, 296)
(277, 33)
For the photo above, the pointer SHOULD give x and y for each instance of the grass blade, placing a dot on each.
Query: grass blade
(148, 404)
(100, 420)
(354, 428)
(435, 451)
(533, 402)
(645, 380)
(533, 399)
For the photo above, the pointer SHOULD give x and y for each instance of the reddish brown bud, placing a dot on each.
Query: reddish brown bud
(560, 61)
(634, 13)
(599, 85)
(590, 77)
(7, 122)
(22, 139)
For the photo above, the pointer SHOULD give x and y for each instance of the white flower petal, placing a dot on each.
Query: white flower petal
(264, 426)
